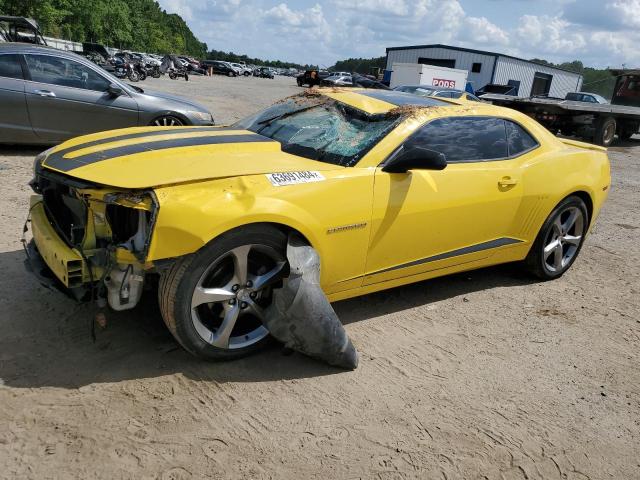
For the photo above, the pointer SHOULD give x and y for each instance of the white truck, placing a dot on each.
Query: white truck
(419, 74)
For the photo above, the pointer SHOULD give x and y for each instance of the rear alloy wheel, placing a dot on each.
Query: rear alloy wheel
(167, 121)
(213, 302)
(560, 239)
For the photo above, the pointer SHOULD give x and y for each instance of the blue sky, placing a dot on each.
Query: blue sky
(601, 33)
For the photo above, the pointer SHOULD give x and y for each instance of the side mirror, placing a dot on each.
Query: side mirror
(114, 90)
(415, 158)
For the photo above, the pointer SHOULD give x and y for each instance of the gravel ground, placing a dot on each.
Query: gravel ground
(486, 374)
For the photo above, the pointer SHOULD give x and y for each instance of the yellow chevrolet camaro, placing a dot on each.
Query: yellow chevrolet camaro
(389, 188)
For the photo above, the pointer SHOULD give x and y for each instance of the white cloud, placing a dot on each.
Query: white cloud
(549, 35)
(282, 15)
(599, 32)
(481, 30)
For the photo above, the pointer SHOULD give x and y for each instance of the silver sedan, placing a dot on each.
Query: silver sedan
(50, 95)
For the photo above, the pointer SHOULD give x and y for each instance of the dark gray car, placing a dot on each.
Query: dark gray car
(49, 95)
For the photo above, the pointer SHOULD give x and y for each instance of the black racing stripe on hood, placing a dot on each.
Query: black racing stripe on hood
(401, 98)
(153, 133)
(62, 164)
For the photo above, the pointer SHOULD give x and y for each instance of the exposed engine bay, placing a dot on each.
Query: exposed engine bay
(109, 230)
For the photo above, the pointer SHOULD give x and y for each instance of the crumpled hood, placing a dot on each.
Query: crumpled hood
(145, 157)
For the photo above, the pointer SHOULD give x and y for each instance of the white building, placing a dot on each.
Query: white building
(529, 78)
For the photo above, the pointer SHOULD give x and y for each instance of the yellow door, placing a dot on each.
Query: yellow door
(426, 220)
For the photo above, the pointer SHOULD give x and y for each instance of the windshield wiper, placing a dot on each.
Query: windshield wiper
(270, 120)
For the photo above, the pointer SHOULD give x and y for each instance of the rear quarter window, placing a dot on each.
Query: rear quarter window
(518, 139)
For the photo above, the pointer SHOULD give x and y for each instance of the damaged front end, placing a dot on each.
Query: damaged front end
(90, 241)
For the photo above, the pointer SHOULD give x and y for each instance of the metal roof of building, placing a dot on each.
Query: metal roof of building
(481, 52)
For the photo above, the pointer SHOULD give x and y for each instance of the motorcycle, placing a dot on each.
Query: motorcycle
(154, 71)
(141, 70)
(125, 69)
(174, 67)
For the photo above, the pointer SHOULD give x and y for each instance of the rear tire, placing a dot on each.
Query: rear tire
(560, 239)
(605, 131)
(212, 301)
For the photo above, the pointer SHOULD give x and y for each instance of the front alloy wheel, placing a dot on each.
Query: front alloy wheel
(167, 121)
(227, 305)
(213, 301)
(560, 239)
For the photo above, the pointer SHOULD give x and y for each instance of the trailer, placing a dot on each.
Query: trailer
(598, 123)
(419, 74)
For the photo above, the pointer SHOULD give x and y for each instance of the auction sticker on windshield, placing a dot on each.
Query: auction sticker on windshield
(293, 178)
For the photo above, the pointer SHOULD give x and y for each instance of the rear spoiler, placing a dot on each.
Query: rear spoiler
(586, 146)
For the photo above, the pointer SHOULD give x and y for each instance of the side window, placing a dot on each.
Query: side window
(10, 66)
(65, 73)
(464, 139)
(518, 139)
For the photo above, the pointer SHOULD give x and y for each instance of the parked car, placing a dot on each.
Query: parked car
(585, 97)
(220, 68)
(265, 72)
(368, 81)
(242, 69)
(429, 91)
(49, 95)
(431, 191)
(338, 80)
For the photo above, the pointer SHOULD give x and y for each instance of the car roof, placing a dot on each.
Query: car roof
(19, 47)
(431, 87)
(375, 102)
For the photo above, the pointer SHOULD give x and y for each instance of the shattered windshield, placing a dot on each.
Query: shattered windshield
(320, 129)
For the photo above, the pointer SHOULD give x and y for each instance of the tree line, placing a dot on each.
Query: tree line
(138, 25)
(237, 58)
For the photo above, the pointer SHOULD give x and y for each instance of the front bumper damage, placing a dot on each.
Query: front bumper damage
(90, 242)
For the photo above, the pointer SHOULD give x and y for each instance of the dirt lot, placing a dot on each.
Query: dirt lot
(481, 375)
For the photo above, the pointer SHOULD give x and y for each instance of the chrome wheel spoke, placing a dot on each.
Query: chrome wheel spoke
(241, 263)
(557, 226)
(557, 257)
(571, 221)
(571, 239)
(551, 248)
(220, 338)
(202, 295)
(273, 275)
(256, 309)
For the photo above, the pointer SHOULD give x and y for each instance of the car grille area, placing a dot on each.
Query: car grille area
(66, 212)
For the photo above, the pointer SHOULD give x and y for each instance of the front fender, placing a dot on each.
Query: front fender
(192, 215)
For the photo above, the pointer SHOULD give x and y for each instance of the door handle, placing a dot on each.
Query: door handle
(45, 93)
(507, 182)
